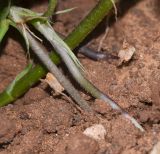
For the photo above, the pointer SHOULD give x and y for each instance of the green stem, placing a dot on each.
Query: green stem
(89, 23)
(74, 39)
(51, 8)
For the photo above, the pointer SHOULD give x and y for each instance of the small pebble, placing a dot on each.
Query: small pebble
(156, 149)
(96, 132)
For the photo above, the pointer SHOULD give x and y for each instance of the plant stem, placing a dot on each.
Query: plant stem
(51, 8)
(39, 71)
(91, 53)
(89, 23)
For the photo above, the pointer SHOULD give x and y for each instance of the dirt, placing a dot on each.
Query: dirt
(38, 122)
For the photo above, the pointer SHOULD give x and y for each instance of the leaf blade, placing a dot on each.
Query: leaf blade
(4, 26)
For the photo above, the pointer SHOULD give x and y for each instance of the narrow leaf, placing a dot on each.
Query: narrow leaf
(18, 77)
(4, 26)
(65, 11)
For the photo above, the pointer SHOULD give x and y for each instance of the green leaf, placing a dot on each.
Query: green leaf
(18, 77)
(4, 26)
(4, 23)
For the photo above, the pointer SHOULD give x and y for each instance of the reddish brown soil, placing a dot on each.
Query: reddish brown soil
(40, 123)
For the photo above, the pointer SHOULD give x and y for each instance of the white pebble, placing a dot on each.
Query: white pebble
(96, 132)
(156, 149)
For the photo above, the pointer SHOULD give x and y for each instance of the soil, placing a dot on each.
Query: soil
(39, 122)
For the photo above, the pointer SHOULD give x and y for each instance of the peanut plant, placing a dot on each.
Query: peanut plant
(21, 18)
